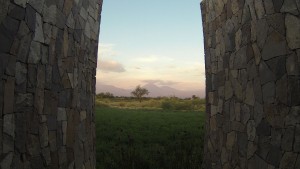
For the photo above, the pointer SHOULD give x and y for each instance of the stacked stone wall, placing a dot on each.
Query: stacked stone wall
(252, 57)
(48, 58)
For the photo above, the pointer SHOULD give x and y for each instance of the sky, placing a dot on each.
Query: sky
(157, 41)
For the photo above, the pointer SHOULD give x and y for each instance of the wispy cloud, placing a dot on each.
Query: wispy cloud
(161, 82)
(153, 58)
(172, 66)
(110, 66)
(106, 50)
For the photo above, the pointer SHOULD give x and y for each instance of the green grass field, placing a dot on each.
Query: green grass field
(148, 139)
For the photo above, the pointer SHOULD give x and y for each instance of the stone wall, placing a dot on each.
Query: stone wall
(252, 57)
(48, 56)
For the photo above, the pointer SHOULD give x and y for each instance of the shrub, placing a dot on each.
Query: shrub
(184, 106)
(101, 104)
(105, 95)
(122, 104)
(167, 105)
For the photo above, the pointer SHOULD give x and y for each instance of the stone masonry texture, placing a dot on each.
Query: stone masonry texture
(48, 58)
(252, 62)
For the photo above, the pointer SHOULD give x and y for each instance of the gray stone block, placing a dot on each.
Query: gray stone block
(50, 107)
(37, 5)
(275, 46)
(297, 164)
(257, 90)
(50, 14)
(43, 133)
(274, 156)
(269, 7)
(276, 136)
(269, 92)
(7, 160)
(46, 155)
(278, 66)
(21, 132)
(297, 137)
(17, 163)
(38, 34)
(22, 54)
(228, 90)
(240, 61)
(262, 32)
(293, 91)
(52, 141)
(242, 141)
(1, 95)
(289, 6)
(293, 117)
(61, 19)
(17, 12)
(250, 100)
(292, 24)
(277, 5)
(9, 125)
(6, 40)
(266, 75)
(37, 162)
(31, 77)
(275, 21)
(4, 61)
(288, 139)
(292, 65)
(11, 25)
(263, 128)
(11, 66)
(52, 123)
(30, 18)
(258, 113)
(23, 101)
(34, 56)
(288, 160)
(9, 90)
(251, 130)
(256, 162)
(4, 7)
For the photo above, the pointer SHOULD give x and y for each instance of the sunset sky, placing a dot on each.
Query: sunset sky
(155, 41)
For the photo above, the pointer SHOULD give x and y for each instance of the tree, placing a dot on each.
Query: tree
(194, 97)
(139, 92)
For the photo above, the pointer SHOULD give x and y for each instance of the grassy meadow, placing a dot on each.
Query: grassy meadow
(165, 103)
(147, 135)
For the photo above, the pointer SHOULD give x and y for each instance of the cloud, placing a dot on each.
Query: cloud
(153, 58)
(110, 66)
(161, 82)
(172, 66)
(195, 69)
(106, 50)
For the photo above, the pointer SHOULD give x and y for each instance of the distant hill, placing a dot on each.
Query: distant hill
(112, 89)
(155, 91)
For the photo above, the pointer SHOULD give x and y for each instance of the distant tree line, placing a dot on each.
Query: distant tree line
(105, 95)
(139, 93)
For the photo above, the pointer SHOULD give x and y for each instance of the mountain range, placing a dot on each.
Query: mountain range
(155, 91)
